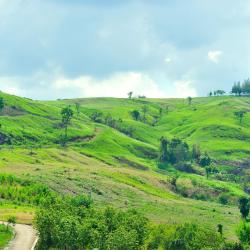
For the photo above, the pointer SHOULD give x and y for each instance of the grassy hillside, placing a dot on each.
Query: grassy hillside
(118, 165)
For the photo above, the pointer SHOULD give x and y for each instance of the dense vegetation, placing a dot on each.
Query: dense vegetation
(175, 161)
(5, 235)
(72, 223)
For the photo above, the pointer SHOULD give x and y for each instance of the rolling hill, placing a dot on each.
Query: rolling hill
(114, 158)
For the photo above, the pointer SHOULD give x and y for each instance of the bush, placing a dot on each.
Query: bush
(185, 167)
(64, 225)
(187, 236)
(243, 232)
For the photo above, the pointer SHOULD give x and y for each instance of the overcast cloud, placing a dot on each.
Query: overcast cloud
(78, 48)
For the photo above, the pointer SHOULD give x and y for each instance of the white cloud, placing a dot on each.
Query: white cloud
(184, 88)
(168, 60)
(214, 55)
(117, 85)
(10, 85)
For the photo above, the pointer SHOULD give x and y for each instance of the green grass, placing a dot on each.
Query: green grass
(122, 171)
(5, 236)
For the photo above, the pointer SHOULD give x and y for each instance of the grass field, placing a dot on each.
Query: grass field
(121, 170)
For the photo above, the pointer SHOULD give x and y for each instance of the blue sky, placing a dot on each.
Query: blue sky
(79, 48)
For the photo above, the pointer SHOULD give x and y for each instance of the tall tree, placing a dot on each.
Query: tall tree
(66, 114)
(240, 115)
(237, 89)
(164, 151)
(130, 93)
(244, 207)
(189, 100)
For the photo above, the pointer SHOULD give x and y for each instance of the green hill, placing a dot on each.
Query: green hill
(114, 158)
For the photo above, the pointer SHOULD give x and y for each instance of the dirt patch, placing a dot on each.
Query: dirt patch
(12, 111)
(82, 138)
(133, 164)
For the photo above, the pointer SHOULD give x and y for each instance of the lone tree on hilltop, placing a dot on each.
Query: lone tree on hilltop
(240, 115)
(189, 100)
(244, 207)
(67, 114)
(130, 93)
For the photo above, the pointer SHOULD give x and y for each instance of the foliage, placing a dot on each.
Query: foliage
(243, 232)
(67, 114)
(205, 160)
(135, 114)
(1, 103)
(23, 191)
(64, 225)
(182, 237)
(173, 151)
(240, 115)
(244, 207)
(6, 234)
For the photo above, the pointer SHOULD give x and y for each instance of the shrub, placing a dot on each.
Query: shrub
(243, 232)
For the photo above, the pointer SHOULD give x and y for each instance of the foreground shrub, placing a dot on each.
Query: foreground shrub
(184, 237)
(243, 232)
(63, 225)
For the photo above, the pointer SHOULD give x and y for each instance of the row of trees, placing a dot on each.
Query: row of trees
(218, 92)
(241, 88)
(112, 122)
(176, 150)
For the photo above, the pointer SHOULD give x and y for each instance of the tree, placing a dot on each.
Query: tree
(136, 114)
(244, 207)
(160, 111)
(96, 117)
(1, 104)
(196, 153)
(246, 87)
(237, 89)
(220, 229)
(240, 115)
(205, 160)
(189, 100)
(130, 94)
(164, 154)
(210, 93)
(67, 114)
(77, 106)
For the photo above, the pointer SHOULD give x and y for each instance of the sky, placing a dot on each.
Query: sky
(52, 49)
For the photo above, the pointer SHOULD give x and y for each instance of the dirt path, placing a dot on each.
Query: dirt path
(25, 238)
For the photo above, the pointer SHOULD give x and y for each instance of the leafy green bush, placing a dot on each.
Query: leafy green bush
(184, 237)
(63, 224)
(243, 232)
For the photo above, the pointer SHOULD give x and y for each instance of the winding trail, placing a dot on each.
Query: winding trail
(25, 238)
